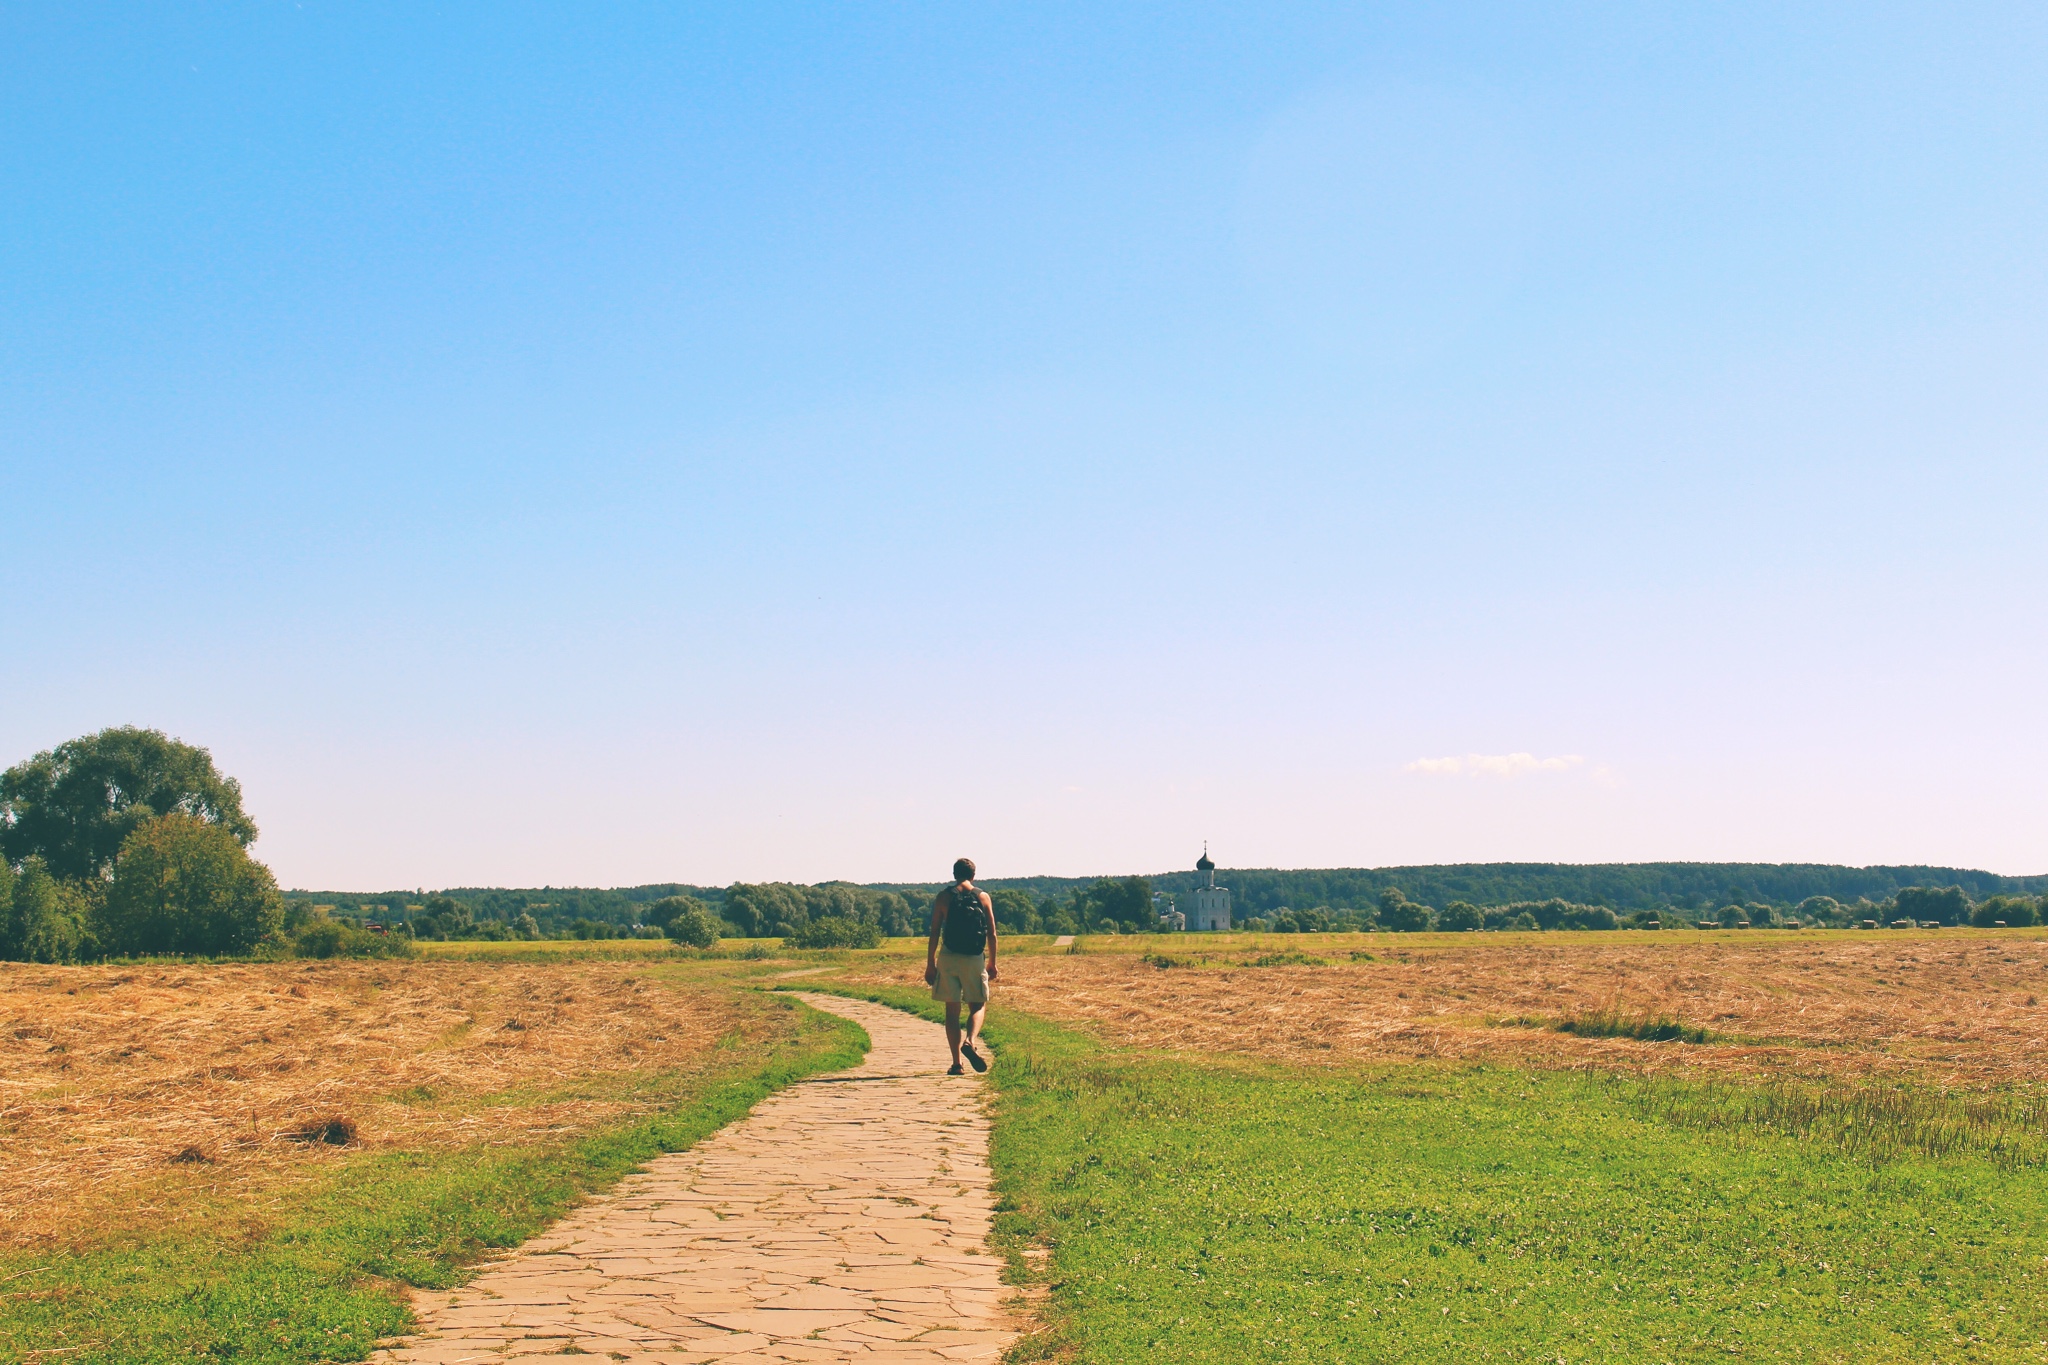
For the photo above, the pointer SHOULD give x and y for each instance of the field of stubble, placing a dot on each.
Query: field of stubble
(1951, 1006)
(138, 1093)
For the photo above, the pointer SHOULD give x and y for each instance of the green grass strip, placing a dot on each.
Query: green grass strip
(317, 1284)
(1215, 1210)
(1662, 1028)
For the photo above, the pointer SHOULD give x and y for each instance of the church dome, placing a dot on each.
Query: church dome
(1205, 865)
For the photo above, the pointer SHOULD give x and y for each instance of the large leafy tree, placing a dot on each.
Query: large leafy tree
(766, 909)
(684, 919)
(1125, 902)
(779, 909)
(1941, 905)
(832, 931)
(1459, 916)
(2014, 910)
(75, 805)
(185, 885)
(1402, 915)
(1015, 911)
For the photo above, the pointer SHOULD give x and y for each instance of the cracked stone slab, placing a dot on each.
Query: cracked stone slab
(843, 1220)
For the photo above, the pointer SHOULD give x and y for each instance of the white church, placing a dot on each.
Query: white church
(1211, 908)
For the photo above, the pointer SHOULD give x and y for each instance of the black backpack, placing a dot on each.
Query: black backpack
(965, 934)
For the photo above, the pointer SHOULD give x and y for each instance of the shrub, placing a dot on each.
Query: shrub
(834, 932)
(182, 885)
(331, 938)
(42, 919)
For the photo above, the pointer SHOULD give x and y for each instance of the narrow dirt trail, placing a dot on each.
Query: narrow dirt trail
(843, 1220)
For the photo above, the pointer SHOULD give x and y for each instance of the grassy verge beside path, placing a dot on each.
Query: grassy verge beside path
(315, 1280)
(1201, 1209)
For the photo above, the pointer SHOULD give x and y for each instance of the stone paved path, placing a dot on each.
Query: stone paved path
(843, 1220)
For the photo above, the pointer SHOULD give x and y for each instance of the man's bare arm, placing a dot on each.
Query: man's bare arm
(988, 907)
(931, 947)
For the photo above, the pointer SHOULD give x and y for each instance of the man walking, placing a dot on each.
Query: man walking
(965, 921)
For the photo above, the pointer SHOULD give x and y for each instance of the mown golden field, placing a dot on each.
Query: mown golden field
(1957, 1006)
(138, 1088)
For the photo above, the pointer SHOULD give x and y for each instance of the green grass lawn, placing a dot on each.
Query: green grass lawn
(1206, 1210)
(314, 1277)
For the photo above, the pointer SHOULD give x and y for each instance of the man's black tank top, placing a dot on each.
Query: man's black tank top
(966, 928)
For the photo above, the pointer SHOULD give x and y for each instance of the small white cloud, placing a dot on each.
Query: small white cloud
(1492, 765)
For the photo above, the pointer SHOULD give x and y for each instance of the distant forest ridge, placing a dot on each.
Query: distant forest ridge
(1618, 886)
(1622, 887)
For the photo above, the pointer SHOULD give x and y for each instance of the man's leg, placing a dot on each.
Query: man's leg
(953, 1029)
(973, 1030)
(975, 1011)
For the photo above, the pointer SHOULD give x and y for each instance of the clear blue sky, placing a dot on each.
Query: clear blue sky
(599, 445)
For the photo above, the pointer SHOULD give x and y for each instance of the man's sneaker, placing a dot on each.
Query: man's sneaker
(974, 1058)
(956, 1070)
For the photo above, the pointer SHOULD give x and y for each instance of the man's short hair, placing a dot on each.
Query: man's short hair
(963, 869)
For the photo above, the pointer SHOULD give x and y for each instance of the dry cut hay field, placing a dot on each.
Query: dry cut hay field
(142, 1087)
(1961, 1006)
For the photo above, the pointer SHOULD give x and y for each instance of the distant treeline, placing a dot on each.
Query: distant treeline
(1474, 895)
(742, 910)
(496, 912)
(1621, 887)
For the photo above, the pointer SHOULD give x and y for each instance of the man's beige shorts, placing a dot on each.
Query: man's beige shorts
(963, 979)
